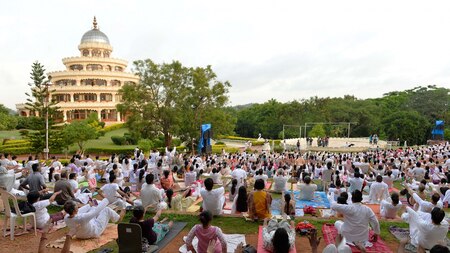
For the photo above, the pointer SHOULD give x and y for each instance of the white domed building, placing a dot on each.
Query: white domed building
(90, 82)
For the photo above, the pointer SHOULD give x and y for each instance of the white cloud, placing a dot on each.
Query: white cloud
(267, 49)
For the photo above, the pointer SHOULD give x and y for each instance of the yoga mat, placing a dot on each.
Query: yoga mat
(329, 235)
(402, 233)
(173, 232)
(233, 240)
(261, 249)
(320, 200)
(82, 246)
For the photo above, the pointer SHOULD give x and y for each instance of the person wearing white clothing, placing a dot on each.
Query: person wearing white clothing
(41, 213)
(90, 221)
(378, 191)
(426, 206)
(426, 230)
(150, 195)
(357, 217)
(240, 175)
(390, 207)
(112, 192)
(213, 200)
(279, 181)
(260, 175)
(356, 182)
(307, 189)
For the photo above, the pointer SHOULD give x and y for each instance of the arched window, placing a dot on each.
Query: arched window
(118, 68)
(61, 97)
(92, 82)
(108, 67)
(105, 97)
(85, 52)
(66, 82)
(93, 67)
(85, 97)
(109, 115)
(115, 83)
(106, 54)
(76, 67)
(96, 53)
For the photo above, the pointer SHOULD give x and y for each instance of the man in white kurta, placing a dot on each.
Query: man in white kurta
(89, 221)
(357, 217)
(378, 191)
(213, 199)
(390, 207)
(426, 230)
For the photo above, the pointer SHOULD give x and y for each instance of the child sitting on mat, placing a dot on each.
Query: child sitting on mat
(152, 230)
(206, 233)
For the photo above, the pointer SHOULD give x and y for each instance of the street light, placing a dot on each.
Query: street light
(47, 97)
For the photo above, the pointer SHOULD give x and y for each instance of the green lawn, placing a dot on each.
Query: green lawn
(104, 141)
(10, 134)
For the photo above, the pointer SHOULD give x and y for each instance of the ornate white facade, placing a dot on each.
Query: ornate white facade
(90, 82)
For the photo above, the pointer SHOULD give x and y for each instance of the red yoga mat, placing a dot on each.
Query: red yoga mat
(261, 244)
(330, 233)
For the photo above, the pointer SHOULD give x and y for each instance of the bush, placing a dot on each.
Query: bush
(24, 133)
(145, 145)
(109, 151)
(16, 150)
(113, 127)
(118, 140)
(176, 142)
(220, 143)
(257, 143)
(129, 139)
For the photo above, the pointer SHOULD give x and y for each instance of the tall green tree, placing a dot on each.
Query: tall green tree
(39, 102)
(174, 100)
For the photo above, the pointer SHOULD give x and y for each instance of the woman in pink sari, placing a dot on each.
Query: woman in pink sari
(206, 233)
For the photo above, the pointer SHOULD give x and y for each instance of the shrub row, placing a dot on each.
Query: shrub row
(9, 141)
(109, 151)
(113, 127)
(16, 150)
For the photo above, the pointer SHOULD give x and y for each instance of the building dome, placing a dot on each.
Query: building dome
(94, 35)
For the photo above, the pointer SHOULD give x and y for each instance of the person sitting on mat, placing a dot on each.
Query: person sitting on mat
(240, 204)
(390, 207)
(206, 233)
(357, 217)
(307, 189)
(288, 204)
(378, 190)
(213, 199)
(152, 230)
(278, 237)
(42, 216)
(182, 201)
(259, 202)
(90, 221)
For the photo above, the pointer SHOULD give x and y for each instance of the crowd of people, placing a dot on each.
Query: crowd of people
(148, 182)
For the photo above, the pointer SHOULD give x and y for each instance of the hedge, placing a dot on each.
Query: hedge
(218, 149)
(16, 150)
(7, 141)
(113, 127)
(109, 151)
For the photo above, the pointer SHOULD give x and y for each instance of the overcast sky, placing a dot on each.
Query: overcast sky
(284, 50)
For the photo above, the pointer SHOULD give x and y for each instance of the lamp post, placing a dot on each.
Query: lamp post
(47, 97)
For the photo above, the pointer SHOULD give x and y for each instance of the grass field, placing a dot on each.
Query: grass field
(104, 141)
(13, 134)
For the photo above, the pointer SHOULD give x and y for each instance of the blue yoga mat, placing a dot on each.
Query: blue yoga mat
(320, 200)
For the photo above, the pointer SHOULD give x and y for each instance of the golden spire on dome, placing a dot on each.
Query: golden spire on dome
(95, 23)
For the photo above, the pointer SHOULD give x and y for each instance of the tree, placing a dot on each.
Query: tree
(204, 101)
(317, 131)
(174, 100)
(39, 102)
(79, 132)
(407, 126)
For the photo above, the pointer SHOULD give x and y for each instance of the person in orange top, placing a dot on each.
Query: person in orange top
(167, 180)
(259, 202)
